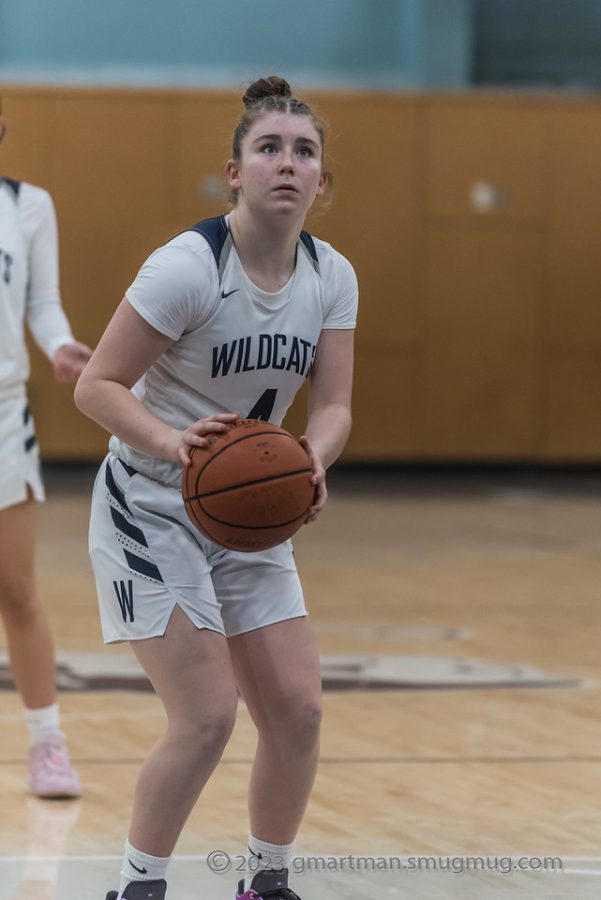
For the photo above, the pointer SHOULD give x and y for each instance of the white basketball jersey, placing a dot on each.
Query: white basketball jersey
(28, 282)
(13, 291)
(236, 348)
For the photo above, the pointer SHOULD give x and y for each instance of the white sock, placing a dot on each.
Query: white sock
(266, 856)
(138, 866)
(43, 723)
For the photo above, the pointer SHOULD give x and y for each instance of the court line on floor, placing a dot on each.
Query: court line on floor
(342, 856)
(352, 761)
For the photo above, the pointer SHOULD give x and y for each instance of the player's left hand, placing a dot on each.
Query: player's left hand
(319, 482)
(70, 361)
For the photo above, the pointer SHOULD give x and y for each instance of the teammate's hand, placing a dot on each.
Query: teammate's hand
(184, 441)
(319, 482)
(70, 361)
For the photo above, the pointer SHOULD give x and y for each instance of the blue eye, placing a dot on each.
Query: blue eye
(305, 151)
(269, 148)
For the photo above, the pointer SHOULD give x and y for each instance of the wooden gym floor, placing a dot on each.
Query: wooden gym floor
(459, 621)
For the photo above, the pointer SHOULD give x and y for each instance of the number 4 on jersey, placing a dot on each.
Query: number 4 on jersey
(263, 408)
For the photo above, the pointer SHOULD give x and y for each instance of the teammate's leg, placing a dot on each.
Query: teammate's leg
(26, 623)
(31, 653)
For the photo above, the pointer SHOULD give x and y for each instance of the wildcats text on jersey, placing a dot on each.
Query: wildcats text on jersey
(263, 351)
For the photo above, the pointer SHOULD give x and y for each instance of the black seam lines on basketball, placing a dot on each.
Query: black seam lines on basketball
(243, 484)
(243, 437)
(200, 525)
(256, 527)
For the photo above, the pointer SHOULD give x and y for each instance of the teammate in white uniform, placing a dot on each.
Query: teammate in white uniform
(29, 291)
(229, 318)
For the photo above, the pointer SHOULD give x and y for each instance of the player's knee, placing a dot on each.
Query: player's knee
(209, 733)
(18, 602)
(308, 718)
(301, 723)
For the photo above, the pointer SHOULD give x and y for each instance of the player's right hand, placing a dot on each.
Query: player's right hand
(193, 436)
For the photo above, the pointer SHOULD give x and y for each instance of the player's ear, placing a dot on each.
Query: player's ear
(232, 171)
(325, 181)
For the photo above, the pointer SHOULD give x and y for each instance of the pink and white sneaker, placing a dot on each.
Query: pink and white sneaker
(269, 884)
(51, 773)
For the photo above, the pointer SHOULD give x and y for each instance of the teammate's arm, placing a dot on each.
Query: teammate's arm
(127, 349)
(329, 418)
(45, 315)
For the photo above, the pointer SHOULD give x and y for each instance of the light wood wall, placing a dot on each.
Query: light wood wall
(479, 335)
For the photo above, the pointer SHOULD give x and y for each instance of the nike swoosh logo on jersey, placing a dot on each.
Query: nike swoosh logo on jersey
(229, 293)
(141, 871)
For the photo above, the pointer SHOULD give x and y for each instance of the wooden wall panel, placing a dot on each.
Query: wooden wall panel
(200, 154)
(295, 419)
(479, 333)
(573, 425)
(28, 150)
(484, 142)
(371, 151)
(387, 400)
(110, 174)
(111, 194)
(483, 353)
(574, 258)
(573, 282)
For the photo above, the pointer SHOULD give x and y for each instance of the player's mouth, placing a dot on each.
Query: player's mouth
(286, 187)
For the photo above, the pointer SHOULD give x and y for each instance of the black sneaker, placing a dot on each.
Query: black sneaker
(269, 884)
(142, 890)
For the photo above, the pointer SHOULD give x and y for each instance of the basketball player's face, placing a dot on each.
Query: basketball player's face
(280, 170)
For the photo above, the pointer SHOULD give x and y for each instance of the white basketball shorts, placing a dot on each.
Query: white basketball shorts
(147, 557)
(20, 455)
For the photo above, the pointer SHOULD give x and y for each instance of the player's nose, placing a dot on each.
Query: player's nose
(286, 161)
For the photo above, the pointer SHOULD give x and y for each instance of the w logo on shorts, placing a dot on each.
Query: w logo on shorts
(125, 597)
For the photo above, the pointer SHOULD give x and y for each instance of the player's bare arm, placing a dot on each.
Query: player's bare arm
(329, 419)
(126, 351)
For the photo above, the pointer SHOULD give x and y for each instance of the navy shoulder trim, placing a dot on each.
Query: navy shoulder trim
(15, 186)
(310, 247)
(215, 232)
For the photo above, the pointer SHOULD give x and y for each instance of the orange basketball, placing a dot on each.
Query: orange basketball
(250, 488)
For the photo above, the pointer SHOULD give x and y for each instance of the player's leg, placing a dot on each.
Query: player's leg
(190, 669)
(26, 623)
(31, 653)
(277, 668)
(155, 591)
(191, 672)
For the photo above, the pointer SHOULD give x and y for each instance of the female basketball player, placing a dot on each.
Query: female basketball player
(29, 289)
(228, 319)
